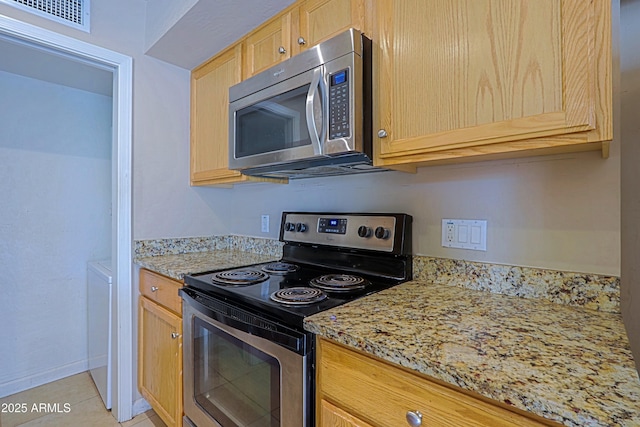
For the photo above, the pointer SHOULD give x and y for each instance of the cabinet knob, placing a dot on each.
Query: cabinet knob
(154, 288)
(175, 335)
(282, 50)
(414, 418)
(301, 41)
(382, 133)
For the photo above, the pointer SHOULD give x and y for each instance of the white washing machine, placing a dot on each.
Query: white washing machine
(99, 305)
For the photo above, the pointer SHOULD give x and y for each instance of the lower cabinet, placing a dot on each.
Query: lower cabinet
(357, 390)
(331, 415)
(160, 346)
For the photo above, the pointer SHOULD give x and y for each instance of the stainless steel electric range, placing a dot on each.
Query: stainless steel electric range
(247, 359)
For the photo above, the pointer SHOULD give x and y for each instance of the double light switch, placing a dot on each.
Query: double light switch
(464, 234)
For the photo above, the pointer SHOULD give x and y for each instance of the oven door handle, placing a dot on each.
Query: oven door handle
(290, 339)
(315, 116)
(292, 343)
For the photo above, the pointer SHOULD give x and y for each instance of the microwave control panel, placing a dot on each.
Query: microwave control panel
(339, 105)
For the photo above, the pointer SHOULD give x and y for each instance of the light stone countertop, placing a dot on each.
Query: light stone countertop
(568, 364)
(177, 266)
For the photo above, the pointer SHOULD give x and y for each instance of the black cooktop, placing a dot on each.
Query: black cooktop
(373, 249)
(257, 297)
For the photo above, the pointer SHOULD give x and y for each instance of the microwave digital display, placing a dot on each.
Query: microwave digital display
(339, 78)
(332, 225)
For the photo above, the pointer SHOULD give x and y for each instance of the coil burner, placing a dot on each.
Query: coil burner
(298, 296)
(339, 282)
(279, 268)
(238, 277)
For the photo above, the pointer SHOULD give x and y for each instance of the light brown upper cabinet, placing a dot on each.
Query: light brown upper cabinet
(299, 27)
(323, 19)
(268, 45)
(460, 80)
(210, 84)
(454, 80)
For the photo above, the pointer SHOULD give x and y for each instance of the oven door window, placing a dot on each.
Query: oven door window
(277, 123)
(237, 384)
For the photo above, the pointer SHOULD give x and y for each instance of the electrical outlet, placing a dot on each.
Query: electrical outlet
(450, 232)
(464, 234)
(264, 222)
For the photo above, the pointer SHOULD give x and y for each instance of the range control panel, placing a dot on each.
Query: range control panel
(361, 231)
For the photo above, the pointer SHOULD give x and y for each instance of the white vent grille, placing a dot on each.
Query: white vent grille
(74, 13)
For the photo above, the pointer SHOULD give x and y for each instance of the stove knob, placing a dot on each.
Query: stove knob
(300, 227)
(364, 231)
(289, 226)
(382, 233)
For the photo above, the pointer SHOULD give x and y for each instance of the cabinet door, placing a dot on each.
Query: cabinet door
(322, 19)
(160, 360)
(268, 45)
(210, 84)
(490, 76)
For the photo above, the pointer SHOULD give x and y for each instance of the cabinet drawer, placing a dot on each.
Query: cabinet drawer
(161, 289)
(381, 394)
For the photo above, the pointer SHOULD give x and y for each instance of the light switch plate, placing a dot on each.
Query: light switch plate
(464, 234)
(264, 223)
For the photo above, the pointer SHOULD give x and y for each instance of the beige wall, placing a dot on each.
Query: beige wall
(161, 191)
(630, 99)
(559, 212)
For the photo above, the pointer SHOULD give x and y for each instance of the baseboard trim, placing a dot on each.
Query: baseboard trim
(140, 406)
(40, 378)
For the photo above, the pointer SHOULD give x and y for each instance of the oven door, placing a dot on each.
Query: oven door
(243, 370)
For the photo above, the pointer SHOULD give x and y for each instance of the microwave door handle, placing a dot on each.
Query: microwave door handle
(314, 91)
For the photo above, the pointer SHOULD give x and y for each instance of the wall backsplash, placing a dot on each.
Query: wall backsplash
(174, 246)
(591, 291)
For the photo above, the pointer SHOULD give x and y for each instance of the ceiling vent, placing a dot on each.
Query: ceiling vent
(74, 13)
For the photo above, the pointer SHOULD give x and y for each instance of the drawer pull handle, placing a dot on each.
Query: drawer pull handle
(414, 418)
(301, 41)
(154, 288)
(282, 50)
(174, 335)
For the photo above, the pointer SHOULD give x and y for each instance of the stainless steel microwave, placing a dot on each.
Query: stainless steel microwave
(307, 116)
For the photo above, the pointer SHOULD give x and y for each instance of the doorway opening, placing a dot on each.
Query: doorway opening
(119, 67)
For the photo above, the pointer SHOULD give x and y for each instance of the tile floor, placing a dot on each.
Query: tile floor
(71, 401)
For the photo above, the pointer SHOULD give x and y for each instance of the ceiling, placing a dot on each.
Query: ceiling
(29, 60)
(185, 35)
(191, 35)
